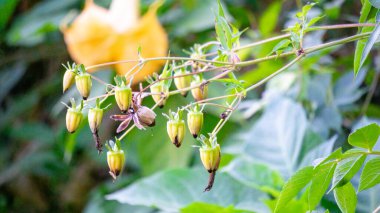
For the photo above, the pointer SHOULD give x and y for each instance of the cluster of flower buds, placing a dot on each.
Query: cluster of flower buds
(82, 79)
(210, 156)
(182, 82)
(115, 158)
(73, 116)
(201, 89)
(123, 94)
(176, 127)
(195, 120)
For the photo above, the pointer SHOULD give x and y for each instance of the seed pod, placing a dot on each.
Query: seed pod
(73, 116)
(161, 93)
(95, 116)
(84, 84)
(146, 116)
(68, 79)
(195, 121)
(175, 127)
(210, 157)
(176, 131)
(182, 82)
(123, 96)
(200, 92)
(115, 159)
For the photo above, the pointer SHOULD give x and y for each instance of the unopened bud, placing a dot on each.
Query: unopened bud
(95, 116)
(175, 127)
(182, 82)
(84, 84)
(234, 58)
(200, 92)
(123, 96)
(196, 65)
(146, 116)
(195, 121)
(73, 117)
(68, 79)
(161, 93)
(210, 157)
(115, 159)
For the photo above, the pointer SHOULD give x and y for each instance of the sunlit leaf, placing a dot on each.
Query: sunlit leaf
(346, 198)
(365, 137)
(320, 183)
(370, 175)
(346, 169)
(293, 186)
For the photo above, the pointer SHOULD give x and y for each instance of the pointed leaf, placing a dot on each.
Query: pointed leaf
(365, 137)
(346, 198)
(370, 175)
(346, 169)
(320, 183)
(293, 186)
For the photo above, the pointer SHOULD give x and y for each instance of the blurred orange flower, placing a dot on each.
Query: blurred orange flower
(99, 35)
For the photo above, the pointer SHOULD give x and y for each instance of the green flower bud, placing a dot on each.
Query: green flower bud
(115, 159)
(95, 116)
(182, 82)
(123, 96)
(196, 55)
(200, 92)
(176, 127)
(195, 121)
(161, 93)
(73, 116)
(68, 79)
(84, 84)
(210, 157)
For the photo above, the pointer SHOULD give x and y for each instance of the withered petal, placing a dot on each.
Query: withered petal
(120, 117)
(124, 125)
(137, 122)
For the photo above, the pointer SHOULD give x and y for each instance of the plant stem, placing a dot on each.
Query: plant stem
(275, 73)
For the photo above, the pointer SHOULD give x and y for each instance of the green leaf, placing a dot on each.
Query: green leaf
(366, 9)
(174, 189)
(199, 207)
(257, 176)
(366, 16)
(337, 154)
(346, 169)
(375, 3)
(345, 197)
(281, 45)
(269, 18)
(314, 20)
(365, 137)
(266, 141)
(320, 183)
(368, 45)
(370, 175)
(293, 186)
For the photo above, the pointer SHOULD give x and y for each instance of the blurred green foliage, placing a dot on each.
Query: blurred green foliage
(299, 116)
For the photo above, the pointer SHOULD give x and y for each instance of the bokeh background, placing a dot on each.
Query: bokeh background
(296, 118)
